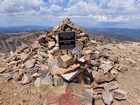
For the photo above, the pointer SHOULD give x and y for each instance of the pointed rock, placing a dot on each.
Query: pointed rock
(18, 76)
(71, 75)
(30, 63)
(94, 85)
(2, 69)
(26, 79)
(107, 97)
(51, 44)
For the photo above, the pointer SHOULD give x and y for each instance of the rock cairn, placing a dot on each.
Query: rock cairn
(89, 64)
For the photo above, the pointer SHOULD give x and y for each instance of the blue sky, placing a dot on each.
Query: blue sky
(89, 13)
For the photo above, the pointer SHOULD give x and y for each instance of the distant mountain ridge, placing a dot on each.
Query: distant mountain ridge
(135, 32)
(17, 29)
(10, 42)
(117, 33)
(122, 34)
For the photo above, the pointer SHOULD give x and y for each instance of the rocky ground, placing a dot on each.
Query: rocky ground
(128, 80)
(93, 73)
(12, 93)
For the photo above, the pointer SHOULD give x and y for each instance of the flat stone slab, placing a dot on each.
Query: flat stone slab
(69, 69)
(71, 75)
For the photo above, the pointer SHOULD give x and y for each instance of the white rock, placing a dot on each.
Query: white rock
(107, 97)
(37, 82)
(30, 63)
(12, 54)
(82, 60)
(26, 79)
(36, 75)
(71, 75)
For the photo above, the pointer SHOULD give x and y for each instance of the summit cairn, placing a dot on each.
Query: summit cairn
(86, 72)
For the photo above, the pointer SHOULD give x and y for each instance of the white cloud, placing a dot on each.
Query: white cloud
(55, 8)
(123, 4)
(99, 18)
(14, 6)
(117, 7)
(43, 10)
(28, 7)
(82, 8)
(81, 11)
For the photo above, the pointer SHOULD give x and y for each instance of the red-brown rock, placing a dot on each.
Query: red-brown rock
(51, 98)
(73, 94)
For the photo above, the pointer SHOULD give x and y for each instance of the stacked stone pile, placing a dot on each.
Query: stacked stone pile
(89, 64)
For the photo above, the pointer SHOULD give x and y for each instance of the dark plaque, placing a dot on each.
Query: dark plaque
(66, 40)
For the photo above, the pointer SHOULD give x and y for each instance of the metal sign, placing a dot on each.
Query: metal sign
(67, 40)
